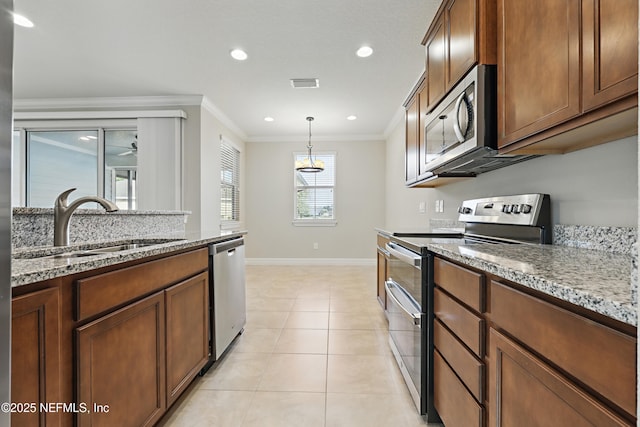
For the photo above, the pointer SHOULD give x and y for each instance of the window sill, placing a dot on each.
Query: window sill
(315, 223)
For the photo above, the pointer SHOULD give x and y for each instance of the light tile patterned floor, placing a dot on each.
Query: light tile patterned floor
(314, 353)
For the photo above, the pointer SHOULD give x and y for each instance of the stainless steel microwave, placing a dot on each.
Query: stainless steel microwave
(460, 135)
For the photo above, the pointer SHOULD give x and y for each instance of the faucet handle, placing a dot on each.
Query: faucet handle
(61, 200)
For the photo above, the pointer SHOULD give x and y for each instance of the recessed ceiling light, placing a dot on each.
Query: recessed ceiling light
(352, 117)
(239, 54)
(364, 51)
(22, 21)
(268, 119)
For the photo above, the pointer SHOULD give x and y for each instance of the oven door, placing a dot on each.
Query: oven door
(405, 337)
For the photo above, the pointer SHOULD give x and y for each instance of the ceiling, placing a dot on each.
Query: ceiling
(124, 48)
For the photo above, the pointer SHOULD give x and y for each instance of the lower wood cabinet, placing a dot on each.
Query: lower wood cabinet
(506, 355)
(187, 313)
(121, 365)
(35, 354)
(383, 271)
(521, 385)
(139, 359)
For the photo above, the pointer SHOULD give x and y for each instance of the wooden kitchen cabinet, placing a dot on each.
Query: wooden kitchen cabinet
(436, 65)
(142, 335)
(383, 271)
(522, 387)
(564, 65)
(461, 35)
(187, 312)
(459, 341)
(609, 51)
(508, 355)
(35, 356)
(121, 363)
(412, 141)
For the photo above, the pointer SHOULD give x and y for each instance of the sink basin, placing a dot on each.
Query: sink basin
(118, 248)
(105, 248)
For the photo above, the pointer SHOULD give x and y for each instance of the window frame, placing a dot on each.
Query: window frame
(315, 222)
(233, 223)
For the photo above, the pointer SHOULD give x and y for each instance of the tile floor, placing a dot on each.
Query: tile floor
(314, 353)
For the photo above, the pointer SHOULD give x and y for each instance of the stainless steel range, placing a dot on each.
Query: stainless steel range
(518, 219)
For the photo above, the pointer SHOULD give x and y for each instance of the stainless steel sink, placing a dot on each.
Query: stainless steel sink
(118, 248)
(107, 248)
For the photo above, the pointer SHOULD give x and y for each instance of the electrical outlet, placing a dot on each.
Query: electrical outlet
(441, 205)
(315, 245)
(436, 206)
(422, 207)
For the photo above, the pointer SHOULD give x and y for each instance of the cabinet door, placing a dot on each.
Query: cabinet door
(35, 356)
(538, 66)
(411, 135)
(382, 277)
(121, 363)
(461, 39)
(436, 63)
(187, 306)
(610, 50)
(525, 391)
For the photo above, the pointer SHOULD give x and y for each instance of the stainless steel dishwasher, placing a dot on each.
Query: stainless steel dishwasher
(228, 295)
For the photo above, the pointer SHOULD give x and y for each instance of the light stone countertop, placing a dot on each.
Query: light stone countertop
(596, 280)
(30, 270)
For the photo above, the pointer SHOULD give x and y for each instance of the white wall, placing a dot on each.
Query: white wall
(359, 203)
(201, 171)
(594, 186)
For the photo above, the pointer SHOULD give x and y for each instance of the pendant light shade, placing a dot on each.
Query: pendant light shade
(309, 164)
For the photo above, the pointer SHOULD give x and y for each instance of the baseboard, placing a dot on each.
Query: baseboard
(311, 261)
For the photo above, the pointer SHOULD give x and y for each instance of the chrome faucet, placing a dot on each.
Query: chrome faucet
(62, 214)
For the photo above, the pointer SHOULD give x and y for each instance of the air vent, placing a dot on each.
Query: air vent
(305, 83)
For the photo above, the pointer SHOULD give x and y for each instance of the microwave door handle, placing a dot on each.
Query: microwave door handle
(456, 122)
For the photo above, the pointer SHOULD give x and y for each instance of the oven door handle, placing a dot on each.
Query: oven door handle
(404, 255)
(388, 285)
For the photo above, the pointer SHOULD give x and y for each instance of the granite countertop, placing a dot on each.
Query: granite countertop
(28, 266)
(596, 280)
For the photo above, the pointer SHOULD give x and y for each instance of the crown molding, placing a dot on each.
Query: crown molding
(106, 102)
(321, 138)
(223, 118)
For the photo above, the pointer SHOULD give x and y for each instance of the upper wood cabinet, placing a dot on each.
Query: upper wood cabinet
(412, 143)
(462, 34)
(558, 62)
(609, 50)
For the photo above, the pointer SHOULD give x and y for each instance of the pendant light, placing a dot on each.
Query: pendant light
(308, 164)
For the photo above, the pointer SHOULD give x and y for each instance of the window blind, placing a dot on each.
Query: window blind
(315, 190)
(229, 182)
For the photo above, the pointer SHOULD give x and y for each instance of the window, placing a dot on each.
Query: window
(314, 192)
(229, 183)
(95, 161)
(58, 161)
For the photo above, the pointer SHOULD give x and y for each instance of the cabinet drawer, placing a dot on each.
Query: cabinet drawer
(100, 293)
(453, 402)
(465, 285)
(600, 357)
(468, 368)
(468, 327)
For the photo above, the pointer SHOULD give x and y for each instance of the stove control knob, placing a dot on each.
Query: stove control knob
(464, 210)
(525, 208)
(506, 208)
(515, 209)
(460, 209)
